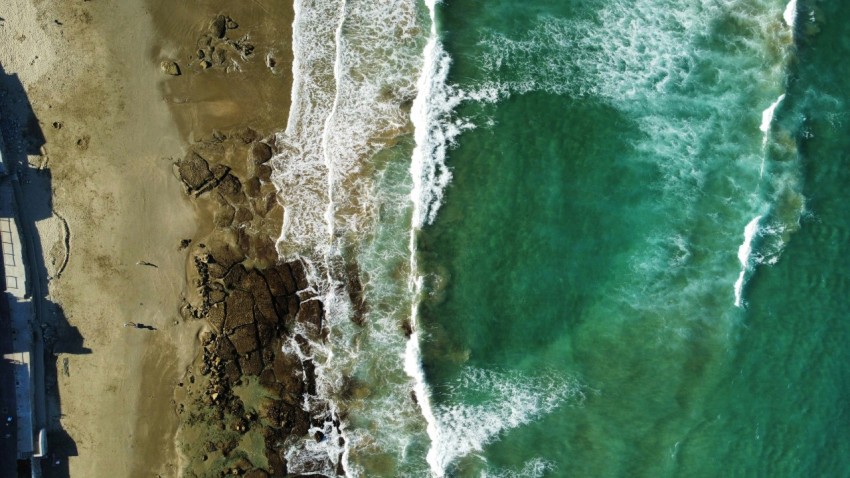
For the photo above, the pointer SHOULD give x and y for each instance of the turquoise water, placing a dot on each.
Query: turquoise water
(593, 238)
(581, 315)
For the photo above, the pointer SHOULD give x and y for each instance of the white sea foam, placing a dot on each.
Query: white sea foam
(429, 174)
(650, 60)
(744, 253)
(535, 468)
(354, 68)
(509, 401)
(767, 116)
(790, 13)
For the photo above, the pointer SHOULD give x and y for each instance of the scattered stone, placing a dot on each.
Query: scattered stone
(170, 68)
(57, 124)
(83, 142)
(218, 57)
(184, 243)
(205, 64)
(218, 26)
(231, 25)
(248, 135)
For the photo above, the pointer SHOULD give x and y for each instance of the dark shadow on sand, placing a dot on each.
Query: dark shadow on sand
(22, 136)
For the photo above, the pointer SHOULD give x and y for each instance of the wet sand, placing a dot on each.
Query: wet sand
(114, 124)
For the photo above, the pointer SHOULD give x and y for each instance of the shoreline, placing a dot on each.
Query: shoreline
(107, 204)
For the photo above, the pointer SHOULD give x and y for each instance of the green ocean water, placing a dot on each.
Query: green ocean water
(581, 315)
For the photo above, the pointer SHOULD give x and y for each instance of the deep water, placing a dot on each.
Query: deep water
(595, 303)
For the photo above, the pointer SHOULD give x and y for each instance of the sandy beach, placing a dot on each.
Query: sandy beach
(109, 210)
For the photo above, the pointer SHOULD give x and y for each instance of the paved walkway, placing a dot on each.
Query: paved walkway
(20, 309)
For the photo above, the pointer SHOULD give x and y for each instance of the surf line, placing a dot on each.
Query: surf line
(424, 174)
(752, 228)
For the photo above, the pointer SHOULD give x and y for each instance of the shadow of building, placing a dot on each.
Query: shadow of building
(33, 330)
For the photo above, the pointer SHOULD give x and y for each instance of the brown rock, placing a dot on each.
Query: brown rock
(231, 371)
(264, 172)
(231, 189)
(225, 255)
(299, 273)
(218, 26)
(243, 215)
(225, 349)
(224, 216)
(259, 153)
(194, 171)
(267, 378)
(218, 57)
(310, 314)
(251, 364)
(245, 340)
(252, 187)
(216, 271)
(310, 376)
(240, 309)
(265, 253)
(220, 171)
(170, 68)
(268, 335)
(287, 370)
(216, 315)
(235, 278)
(216, 296)
(247, 135)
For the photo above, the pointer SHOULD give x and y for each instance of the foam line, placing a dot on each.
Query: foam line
(421, 196)
(790, 13)
(744, 253)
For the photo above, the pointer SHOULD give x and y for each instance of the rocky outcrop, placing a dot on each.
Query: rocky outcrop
(258, 311)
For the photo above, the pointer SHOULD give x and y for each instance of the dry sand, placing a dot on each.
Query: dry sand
(92, 68)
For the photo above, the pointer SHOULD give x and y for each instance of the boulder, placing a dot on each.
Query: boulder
(247, 135)
(231, 371)
(243, 215)
(224, 216)
(252, 187)
(264, 172)
(194, 171)
(259, 153)
(299, 273)
(231, 189)
(170, 68)
(310, 314)
(218, 26)
(225, 255)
